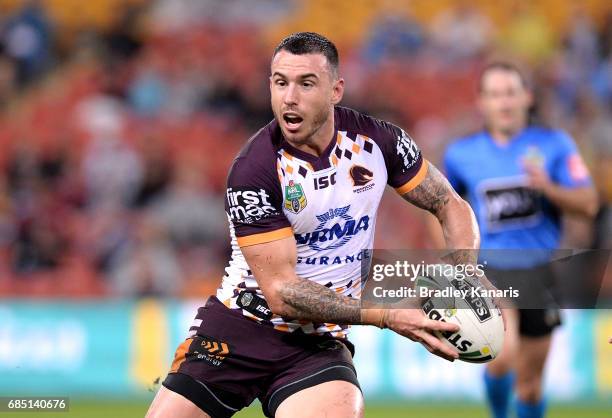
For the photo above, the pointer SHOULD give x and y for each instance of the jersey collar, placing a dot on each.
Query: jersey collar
(508, 144)
(318, 163)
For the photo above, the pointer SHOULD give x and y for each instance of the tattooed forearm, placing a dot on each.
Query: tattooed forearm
(465, 256)
(307, 300)
(432, 194)
(457, 219)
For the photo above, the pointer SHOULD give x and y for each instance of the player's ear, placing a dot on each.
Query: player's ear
(338, 90)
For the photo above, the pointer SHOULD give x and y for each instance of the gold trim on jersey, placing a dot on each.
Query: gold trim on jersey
(265, 237)
(415, 181)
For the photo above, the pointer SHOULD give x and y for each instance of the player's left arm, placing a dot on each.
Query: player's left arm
(460, 228)
(421, 183)
(568, 185)
(435, 195)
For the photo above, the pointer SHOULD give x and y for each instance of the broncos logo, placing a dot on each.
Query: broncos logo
(360, 175)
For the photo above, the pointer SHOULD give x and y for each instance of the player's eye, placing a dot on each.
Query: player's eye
(308, 84)
(280, 82)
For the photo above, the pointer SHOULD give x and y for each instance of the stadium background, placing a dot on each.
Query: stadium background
(118, 122)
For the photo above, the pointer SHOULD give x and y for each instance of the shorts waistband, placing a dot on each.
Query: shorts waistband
(216, 306)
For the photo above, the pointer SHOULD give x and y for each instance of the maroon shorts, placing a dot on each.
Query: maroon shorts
(231, 360)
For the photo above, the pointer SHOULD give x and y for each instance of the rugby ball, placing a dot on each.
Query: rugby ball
(481, 334)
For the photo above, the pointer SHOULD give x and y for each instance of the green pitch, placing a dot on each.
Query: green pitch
(128, 410)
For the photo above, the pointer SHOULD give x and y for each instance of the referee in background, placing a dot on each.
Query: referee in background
(519, 178)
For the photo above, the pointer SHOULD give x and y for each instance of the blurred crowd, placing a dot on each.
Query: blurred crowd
(116, 138)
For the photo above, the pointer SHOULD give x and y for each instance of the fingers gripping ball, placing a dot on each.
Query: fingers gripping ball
(481, 334)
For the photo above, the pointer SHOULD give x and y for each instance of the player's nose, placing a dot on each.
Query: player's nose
(291, 95)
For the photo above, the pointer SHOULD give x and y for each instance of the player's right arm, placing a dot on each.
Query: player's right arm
(273, 265)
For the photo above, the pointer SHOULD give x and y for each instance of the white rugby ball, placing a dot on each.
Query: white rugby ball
(481, 334)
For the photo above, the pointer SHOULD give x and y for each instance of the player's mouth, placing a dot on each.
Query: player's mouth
(293, 121)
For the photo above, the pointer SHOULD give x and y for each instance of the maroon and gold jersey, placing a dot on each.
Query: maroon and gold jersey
(327, 203)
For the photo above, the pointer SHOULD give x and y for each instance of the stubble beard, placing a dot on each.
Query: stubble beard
(317, 123)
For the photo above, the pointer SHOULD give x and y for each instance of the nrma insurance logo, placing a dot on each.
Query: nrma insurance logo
(336, 228)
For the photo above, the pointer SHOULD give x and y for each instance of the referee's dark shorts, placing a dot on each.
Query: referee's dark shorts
(538, 312)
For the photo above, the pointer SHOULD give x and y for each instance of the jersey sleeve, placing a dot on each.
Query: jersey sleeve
(569, 170)
(452, 172)
(406, 167)
(253, 203)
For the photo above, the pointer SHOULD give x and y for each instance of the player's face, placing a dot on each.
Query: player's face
(303, 93)
(504, 101)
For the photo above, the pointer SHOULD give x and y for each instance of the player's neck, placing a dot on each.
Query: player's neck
(319, 141)
(501, 137)
(504, 136)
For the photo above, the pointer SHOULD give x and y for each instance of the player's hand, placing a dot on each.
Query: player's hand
(538, 178)
(413, 324)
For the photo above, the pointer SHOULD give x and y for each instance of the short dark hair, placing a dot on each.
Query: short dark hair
(301, 43)
(502, 66)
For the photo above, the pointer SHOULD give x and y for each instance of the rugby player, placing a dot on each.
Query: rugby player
(519, 177)
(301, 200)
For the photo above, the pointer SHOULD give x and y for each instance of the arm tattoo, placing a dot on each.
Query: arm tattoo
(462, 256)
(433, 192)
(312, 301)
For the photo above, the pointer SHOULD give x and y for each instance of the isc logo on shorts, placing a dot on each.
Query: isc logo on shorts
(248, 205)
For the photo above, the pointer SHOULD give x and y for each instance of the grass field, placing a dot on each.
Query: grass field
(125, 410)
